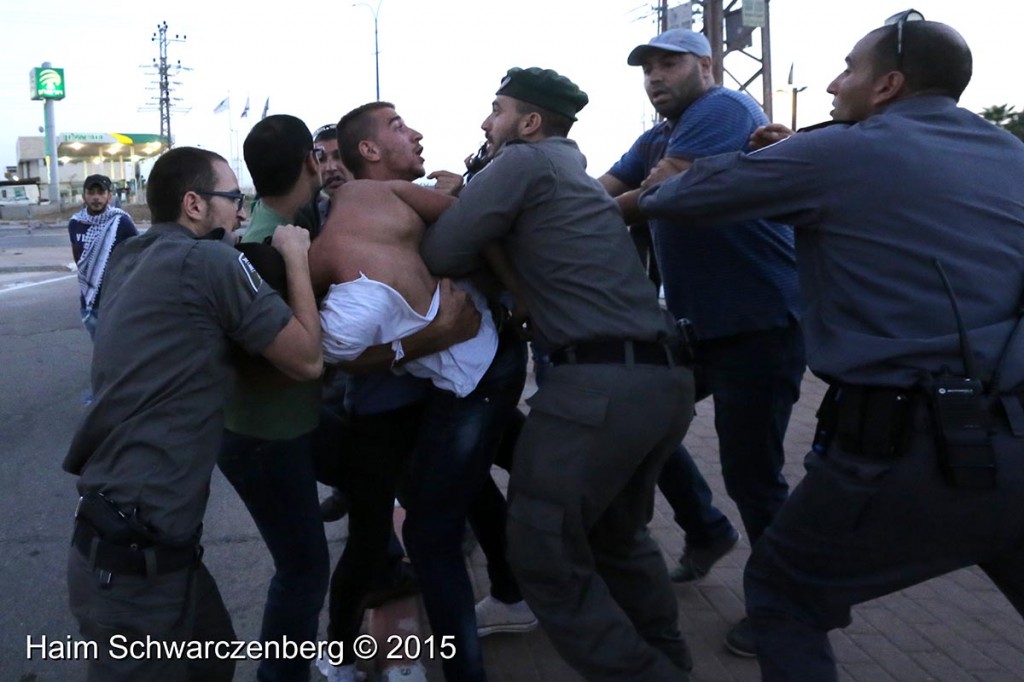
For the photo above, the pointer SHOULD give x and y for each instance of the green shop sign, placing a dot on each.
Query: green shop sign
(46, 83)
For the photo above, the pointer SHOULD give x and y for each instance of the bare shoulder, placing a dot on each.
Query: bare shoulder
(362, 190)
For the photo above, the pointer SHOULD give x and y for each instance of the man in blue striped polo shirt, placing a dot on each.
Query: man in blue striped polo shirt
(738, 287)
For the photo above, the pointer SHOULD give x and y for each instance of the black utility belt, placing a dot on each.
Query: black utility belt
(865, 420)
(618, 352)
(875, 421)
(134, 559)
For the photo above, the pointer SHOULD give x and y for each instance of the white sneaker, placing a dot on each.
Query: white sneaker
(493, 616)
(414, 672)
(338, 673)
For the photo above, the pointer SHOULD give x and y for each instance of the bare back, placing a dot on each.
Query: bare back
(371, 231)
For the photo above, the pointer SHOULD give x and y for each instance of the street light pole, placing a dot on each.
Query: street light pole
(376, 45)
(795, 91)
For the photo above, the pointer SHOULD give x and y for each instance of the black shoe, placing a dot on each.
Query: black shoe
(740, 639)
(405, 585)
(696, 562)
(334, 507)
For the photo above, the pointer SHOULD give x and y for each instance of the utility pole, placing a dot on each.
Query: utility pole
(165, 102)
(729, 26)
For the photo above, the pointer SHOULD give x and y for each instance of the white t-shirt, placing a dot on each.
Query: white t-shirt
(362, 313)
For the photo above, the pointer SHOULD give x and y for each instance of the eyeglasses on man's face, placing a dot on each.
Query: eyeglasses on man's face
(899, 20)
(237, 197)
(320, 154)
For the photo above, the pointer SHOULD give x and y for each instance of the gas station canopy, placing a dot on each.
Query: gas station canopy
(108, 146)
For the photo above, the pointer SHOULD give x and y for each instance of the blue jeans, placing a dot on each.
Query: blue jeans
(89, 318)
(457, 441)
(754, 379)
(688, 494)
(488, 515)
(275, 481)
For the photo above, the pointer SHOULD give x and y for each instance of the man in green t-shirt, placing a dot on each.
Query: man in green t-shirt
(266, 452)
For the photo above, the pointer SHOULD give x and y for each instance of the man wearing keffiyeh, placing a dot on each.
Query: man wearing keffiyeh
(94, 232)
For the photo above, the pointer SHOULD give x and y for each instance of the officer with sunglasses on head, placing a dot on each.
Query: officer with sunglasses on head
(910, 242)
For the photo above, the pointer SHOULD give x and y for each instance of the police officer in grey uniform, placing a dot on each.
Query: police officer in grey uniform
(614, 405)
(175, 305)
(918, 464)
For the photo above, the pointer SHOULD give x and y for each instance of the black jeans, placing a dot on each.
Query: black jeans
(381, 446)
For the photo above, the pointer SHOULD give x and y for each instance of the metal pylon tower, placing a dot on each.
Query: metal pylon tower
(165, 71)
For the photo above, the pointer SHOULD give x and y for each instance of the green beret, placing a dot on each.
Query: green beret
(545, 88)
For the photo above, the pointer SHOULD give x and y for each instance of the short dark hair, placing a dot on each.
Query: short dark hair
(274, 152)
(176, 172)
(552, 124)
(936, 59)
(354, 127)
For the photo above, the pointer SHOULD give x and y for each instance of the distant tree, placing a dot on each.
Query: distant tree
(1005, 117)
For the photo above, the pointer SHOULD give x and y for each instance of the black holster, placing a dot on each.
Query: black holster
(113, 524)
(873, 421)
(116, 541)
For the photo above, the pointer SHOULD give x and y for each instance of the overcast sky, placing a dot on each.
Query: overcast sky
(440, 63)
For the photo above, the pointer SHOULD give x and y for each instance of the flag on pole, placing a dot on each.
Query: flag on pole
(245, 109)
(266, 107)
(223, 106)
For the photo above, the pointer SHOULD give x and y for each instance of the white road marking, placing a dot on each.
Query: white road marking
(26, 285)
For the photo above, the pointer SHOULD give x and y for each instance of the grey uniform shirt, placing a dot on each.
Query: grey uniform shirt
(874, 203)
(577, 266)
(174, 306)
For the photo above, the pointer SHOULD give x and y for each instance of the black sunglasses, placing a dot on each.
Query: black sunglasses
(238, 197)
(899, 20)
(330, 127)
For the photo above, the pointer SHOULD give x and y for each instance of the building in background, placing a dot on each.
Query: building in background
(119, 156)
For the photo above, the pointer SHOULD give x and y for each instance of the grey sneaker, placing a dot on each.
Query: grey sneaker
(493, 616)
(413, 672)
(740, 639)
(696, 562)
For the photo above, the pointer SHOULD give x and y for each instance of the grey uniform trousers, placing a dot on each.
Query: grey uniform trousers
(580, 497)
(122, 617)
(858, 527)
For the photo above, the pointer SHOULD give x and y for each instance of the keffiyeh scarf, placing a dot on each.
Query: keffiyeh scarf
(96, 248)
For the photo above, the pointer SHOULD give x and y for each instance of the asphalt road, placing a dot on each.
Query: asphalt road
(44, 236)
(43, 381)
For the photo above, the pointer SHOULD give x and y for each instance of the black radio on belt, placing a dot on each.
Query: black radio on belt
(961, 415)
(963, 432)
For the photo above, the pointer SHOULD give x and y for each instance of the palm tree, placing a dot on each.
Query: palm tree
(1004, 116)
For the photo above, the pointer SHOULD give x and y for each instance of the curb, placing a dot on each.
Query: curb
(13, 269)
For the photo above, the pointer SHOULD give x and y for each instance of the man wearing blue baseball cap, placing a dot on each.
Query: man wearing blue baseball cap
(739, 289)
